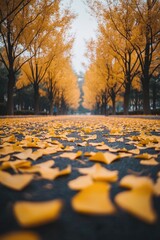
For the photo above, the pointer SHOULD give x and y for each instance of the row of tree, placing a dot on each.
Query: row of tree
(125, 59)
(35, 53)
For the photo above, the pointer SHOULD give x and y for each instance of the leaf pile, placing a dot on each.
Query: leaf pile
(92, 149)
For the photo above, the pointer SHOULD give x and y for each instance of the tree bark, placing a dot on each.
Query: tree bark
(51, 107)
(146, 102)
(154, 92)
(36, 99)
(126, 98)
(10, 93)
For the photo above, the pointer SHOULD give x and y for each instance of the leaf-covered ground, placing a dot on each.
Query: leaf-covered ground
(79, 178)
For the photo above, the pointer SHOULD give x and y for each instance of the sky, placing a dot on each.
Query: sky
(84, 28)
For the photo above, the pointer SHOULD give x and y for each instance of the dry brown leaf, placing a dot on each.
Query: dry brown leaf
(80, 182)
(138, 202)
(94, 200)
(16, 182)
(21, 235)
(30, 214)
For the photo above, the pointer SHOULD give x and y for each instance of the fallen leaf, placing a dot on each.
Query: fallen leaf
(138, 202)
(15, 165)
(146, 156)
(21, 235)
(80, 182)
(24, 155)
(151, 162)
(31, 214)
(16, 182)
(106, 157)
(132, 181)
(103, 174)
(71, 156)
(5, 159)
(65, 171)
(94, 200)
(157, 187)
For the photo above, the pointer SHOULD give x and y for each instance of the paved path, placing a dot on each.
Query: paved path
(70, 131)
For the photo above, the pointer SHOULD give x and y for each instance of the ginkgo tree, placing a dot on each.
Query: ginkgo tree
(106, 76)
(132, 28)
(46, 48)
(13, 32)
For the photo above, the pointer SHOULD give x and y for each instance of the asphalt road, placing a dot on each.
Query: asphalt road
(72, 225)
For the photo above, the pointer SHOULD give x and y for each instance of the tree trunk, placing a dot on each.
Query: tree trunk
(113, 98)
(36, 99)
(10, 93)
(146, 102)
(154, 92)
(113, 106)
(51, 107)
(126, 98)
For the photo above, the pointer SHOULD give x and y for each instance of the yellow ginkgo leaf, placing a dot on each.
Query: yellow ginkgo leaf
(49, 173)
(103, 174)
(132, 181)
(80, 182)
(134, 151)
(157, 187)
(5, 159)
(151, 162)
(71, 156)
(35, 155)
(124, 154)
(30, 214)
(94, 200)
(15, 164)
(146, 156)
(96, 144)
(88, 170)
(106, 157)
(138, 202)
(10, 149)
(102, 147)
(16, 182)
(47, 164)
(25, 154)
(65, 171)
(25, 235)
(88, 154)
(82, 144)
